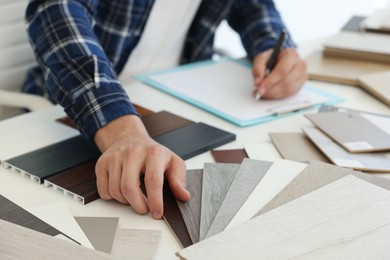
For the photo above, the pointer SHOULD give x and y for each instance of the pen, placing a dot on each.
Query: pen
(272, 61)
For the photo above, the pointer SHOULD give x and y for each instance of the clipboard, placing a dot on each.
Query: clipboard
(224, 89)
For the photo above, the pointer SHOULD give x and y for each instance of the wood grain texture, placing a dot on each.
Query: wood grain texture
(377, 162)
(217, 178)
(136, 244)
(281, 173)
(100, 231)
(340, 70)
(229, 156)
(316, 175)
(50, 160)
(377, 85)
(247, 178)
(296, 147)
(347, 219)
(163, 122)
(352, 131)
(78, 181)
(190, 210)
(21, 243)
(194, 139)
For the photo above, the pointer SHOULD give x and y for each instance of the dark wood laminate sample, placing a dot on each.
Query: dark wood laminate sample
(194, 139)
(50, 160)
(229, 156)
(163, 122)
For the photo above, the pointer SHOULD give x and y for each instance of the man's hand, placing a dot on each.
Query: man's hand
(286, 78)
(127, 153)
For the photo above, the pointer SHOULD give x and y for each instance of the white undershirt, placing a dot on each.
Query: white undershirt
(163, 38)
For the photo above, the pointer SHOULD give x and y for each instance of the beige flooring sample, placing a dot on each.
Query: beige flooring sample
(347, 219)
(190, 210)
(100, 231)
(136, 244)
(58, 216)
(378, 85)
(352, 131)
(21, 243)
(296, 147)
(217, 178)
(281, 173)
(247, 178)
(341, 70)
(264, 152)
(370, 162)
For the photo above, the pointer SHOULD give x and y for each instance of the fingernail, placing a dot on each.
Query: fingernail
(156, 215)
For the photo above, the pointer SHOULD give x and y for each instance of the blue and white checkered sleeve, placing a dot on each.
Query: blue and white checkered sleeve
(77, 72)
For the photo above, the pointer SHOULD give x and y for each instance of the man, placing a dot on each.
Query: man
(82, 45)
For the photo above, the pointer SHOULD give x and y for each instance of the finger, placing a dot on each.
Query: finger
(115, 176)
(156, 163)
(130, 185)
(176, 176)
(102, 179)
(259, 66)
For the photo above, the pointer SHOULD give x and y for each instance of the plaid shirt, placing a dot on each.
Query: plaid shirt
(82, 45)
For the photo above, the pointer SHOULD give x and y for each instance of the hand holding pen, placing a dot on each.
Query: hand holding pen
(278, 72)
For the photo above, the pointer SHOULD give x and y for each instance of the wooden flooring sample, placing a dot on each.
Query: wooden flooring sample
(136, 244)
(264, 152)
(229, 156)
(217, 178)
(341, 70)
(316, 175)
(163, 122)
(347, 219)
(50, 160)
(377, 85)
(352, 131)
(281, 173)
(100, 231)
(247, 178)
(374, 162)
(194, 139)
(296, 147)
(190, 210)
(21, 243)
(78, 182)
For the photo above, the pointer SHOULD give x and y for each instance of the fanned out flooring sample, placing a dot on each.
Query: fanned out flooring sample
(354, 24)
(356, 45)
(247, 178)
(348, 219)
(378, 22)
(352, 131)
(296, 147)
(264, 152)
(377, 84)
(21, 243)
(281, 173)
(194, 139)
(50, 160)
(136, 244)
(190, 210)
(229, 156)
(100, 231)
(371, 162)
(78, 182)
(217, 178)
(58, 216)
(316, 175)
(341, 70)
(163, 122)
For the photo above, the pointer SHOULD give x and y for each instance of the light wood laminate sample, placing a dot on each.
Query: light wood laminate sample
(347, 219)
(296, 147)
(136, 244)
(376, 162)
(352, 131)
(264, 152)
(247, 177)
(377, 84)
(281, 173)
(217, 178)
(190, 210)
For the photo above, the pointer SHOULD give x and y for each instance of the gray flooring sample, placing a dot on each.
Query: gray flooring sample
(190, 210)
(217, 178)
(247, 178)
